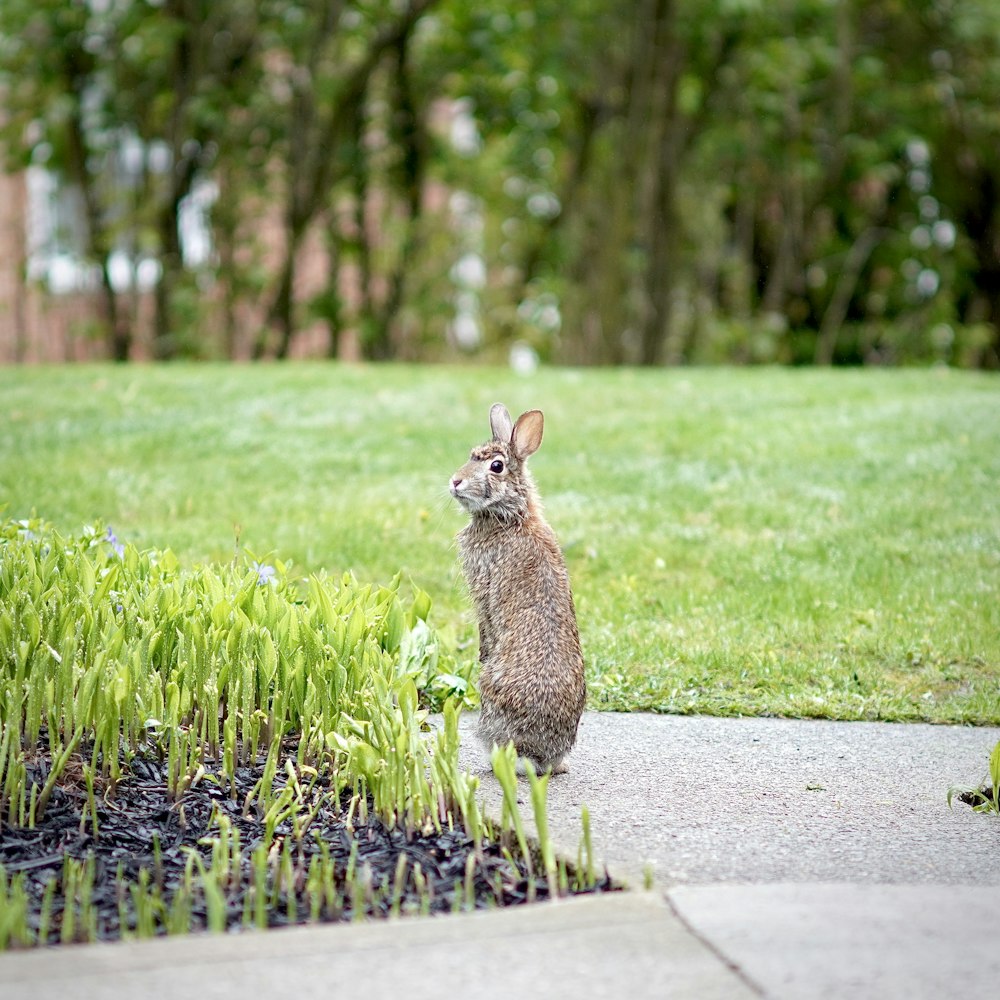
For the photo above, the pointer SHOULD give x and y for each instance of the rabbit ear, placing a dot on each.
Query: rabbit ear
(500, 423)
(528, 433)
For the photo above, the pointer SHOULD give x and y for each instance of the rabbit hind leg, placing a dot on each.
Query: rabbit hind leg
(493, 729)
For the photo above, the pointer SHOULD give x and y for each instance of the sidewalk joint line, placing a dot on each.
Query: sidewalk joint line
(736, 969)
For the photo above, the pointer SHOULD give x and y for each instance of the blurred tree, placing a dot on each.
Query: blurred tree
(843, 196)
(181, 68)
(129, 104)
(659, 182)
(325, 60)
(58, 114)
(961, 43)
(596, 107)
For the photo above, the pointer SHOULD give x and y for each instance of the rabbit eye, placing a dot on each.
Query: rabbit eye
(496, 466)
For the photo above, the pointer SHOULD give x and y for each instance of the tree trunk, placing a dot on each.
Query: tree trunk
(787, 261)
(165, 336)
(840, 300)
(654, 109)
(281, 314)
(317, 128)
(118, 332)
(411, 139)
(981, 220)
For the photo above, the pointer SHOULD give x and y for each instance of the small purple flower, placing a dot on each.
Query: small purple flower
(265, 573)
(112, 539)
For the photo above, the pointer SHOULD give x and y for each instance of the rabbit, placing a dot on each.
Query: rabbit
(531, 684)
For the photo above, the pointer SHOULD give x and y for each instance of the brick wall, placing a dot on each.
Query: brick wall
(35, 326)
(38, 326)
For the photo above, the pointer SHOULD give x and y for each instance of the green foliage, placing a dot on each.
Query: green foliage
(795, 152)
(986, 798)
(124, 649)
(794, 181)
(108, 651)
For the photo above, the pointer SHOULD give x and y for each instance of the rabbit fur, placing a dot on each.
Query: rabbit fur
(531, 681)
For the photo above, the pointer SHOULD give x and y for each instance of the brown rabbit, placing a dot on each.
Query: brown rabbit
(531, 683)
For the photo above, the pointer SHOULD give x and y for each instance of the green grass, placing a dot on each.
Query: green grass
(813, 543)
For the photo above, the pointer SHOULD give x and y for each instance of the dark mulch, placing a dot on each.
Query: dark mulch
(977, 796)
(141, 814)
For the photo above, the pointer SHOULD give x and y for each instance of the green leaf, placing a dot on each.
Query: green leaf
(418, 652)
(421, 606)
(86, 575)
(268, 656)
(406, 696)
(220, 613)
(108, 581)
(363, 760)
(995, 775)
(355, 628)
(452, 681)
(392, 627)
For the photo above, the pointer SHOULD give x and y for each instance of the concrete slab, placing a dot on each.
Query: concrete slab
(821, 942)
(608, 946)
(700, 800)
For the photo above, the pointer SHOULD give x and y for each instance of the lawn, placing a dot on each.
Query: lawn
(793, 542)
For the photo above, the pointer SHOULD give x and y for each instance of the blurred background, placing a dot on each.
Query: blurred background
(571, 181)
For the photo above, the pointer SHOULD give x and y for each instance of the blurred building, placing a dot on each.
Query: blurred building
(36, 326)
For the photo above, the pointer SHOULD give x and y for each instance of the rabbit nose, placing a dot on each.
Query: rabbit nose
(456, 482)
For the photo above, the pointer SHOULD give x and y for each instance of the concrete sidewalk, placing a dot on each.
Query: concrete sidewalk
(612, 946)
(790, 860)
(698, 800)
